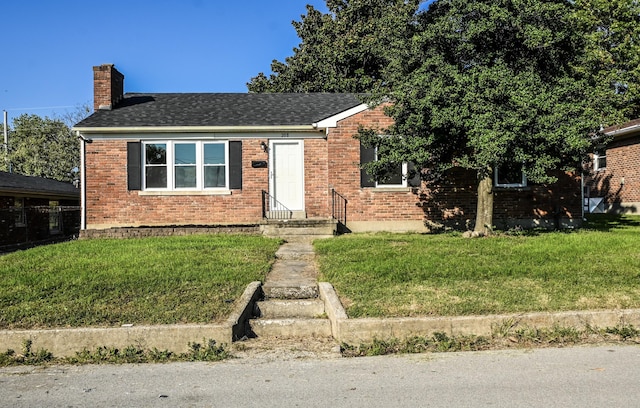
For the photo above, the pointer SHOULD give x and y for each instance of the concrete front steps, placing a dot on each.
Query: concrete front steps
(290, 318)
(290, 306)
(310, 227)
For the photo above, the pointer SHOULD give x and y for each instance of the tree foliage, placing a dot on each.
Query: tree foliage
(487, 83)
(612, 58)
(44, 147)
(344, 50)
(477, 84)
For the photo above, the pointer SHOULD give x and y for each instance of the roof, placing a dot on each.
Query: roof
(220, 109)
(626, 129)
(20, 184)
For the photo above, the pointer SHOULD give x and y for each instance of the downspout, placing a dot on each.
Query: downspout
(582, 195)
(83, 182)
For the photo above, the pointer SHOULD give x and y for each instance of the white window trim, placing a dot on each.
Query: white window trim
(404, 184)
(170, 153)
(523, 183)
(596, 160)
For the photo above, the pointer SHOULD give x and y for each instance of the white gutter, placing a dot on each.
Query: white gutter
(624, 131)
(197, 129)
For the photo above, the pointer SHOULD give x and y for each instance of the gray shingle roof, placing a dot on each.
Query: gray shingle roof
(221, 109)
(17, 183)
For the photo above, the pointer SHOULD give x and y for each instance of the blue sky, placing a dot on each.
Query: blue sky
(49, 47)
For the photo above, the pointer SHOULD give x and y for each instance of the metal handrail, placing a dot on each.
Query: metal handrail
(338, 207)
(273, 209)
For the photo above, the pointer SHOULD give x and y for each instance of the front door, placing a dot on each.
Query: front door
(287, 173)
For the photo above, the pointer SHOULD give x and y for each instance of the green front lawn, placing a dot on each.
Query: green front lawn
(436, 275)
(104, 282)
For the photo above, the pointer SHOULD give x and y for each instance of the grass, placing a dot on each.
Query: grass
(104, 282)
(389, 275)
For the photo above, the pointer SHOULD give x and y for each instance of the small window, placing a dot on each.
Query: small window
(600, 160)
(394, 177)
(54, 217)
(214, 165)
(510, 175)
(18, 212)
(155, 165)
(185, 165)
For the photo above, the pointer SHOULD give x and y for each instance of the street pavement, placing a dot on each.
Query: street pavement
(589, 376)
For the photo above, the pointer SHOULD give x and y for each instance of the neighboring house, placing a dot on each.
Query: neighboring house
(612, 183)
(35, 209)
(213, 159)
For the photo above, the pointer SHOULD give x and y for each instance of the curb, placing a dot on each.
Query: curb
(175, 338)
(357, 331)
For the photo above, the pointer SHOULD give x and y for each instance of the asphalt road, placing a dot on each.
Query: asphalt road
(603, 376)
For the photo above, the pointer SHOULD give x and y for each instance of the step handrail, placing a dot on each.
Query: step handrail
(274, 209)
(338, 207)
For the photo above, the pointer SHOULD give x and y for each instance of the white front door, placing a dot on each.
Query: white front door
(287, 173)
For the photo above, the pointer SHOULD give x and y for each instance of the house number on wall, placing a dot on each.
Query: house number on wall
(284, 135)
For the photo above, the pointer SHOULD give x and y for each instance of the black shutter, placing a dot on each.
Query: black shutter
(367, 155)
(134, 163)
(415, 180)
(235, 165)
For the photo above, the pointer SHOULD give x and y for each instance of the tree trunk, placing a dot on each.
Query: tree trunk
(484, 213)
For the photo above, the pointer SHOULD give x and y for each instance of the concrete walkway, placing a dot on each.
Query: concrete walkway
(294, 275)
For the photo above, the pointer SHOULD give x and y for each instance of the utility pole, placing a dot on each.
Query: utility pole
(5, 129)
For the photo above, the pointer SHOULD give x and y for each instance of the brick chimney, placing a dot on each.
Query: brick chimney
(108, 87)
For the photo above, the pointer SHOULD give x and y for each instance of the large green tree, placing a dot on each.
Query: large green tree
(44, 147)
(487, 84)
(612, 58)
(344, 50)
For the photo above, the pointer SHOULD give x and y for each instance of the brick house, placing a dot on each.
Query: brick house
(34, 209)
(612, 183)
(158, 160)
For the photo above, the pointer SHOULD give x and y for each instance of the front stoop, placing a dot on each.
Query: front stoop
(300, 227)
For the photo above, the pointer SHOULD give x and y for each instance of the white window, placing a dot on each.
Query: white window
(55, 221)
(185, 165)
(600, 160)
(509, 175)
(18, 212)
(394, 178)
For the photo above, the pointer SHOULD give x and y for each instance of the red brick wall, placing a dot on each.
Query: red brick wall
(316, 168)
(452, 202)
(331, 163)
(110, 204)
(623, 162)
(365, 204)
